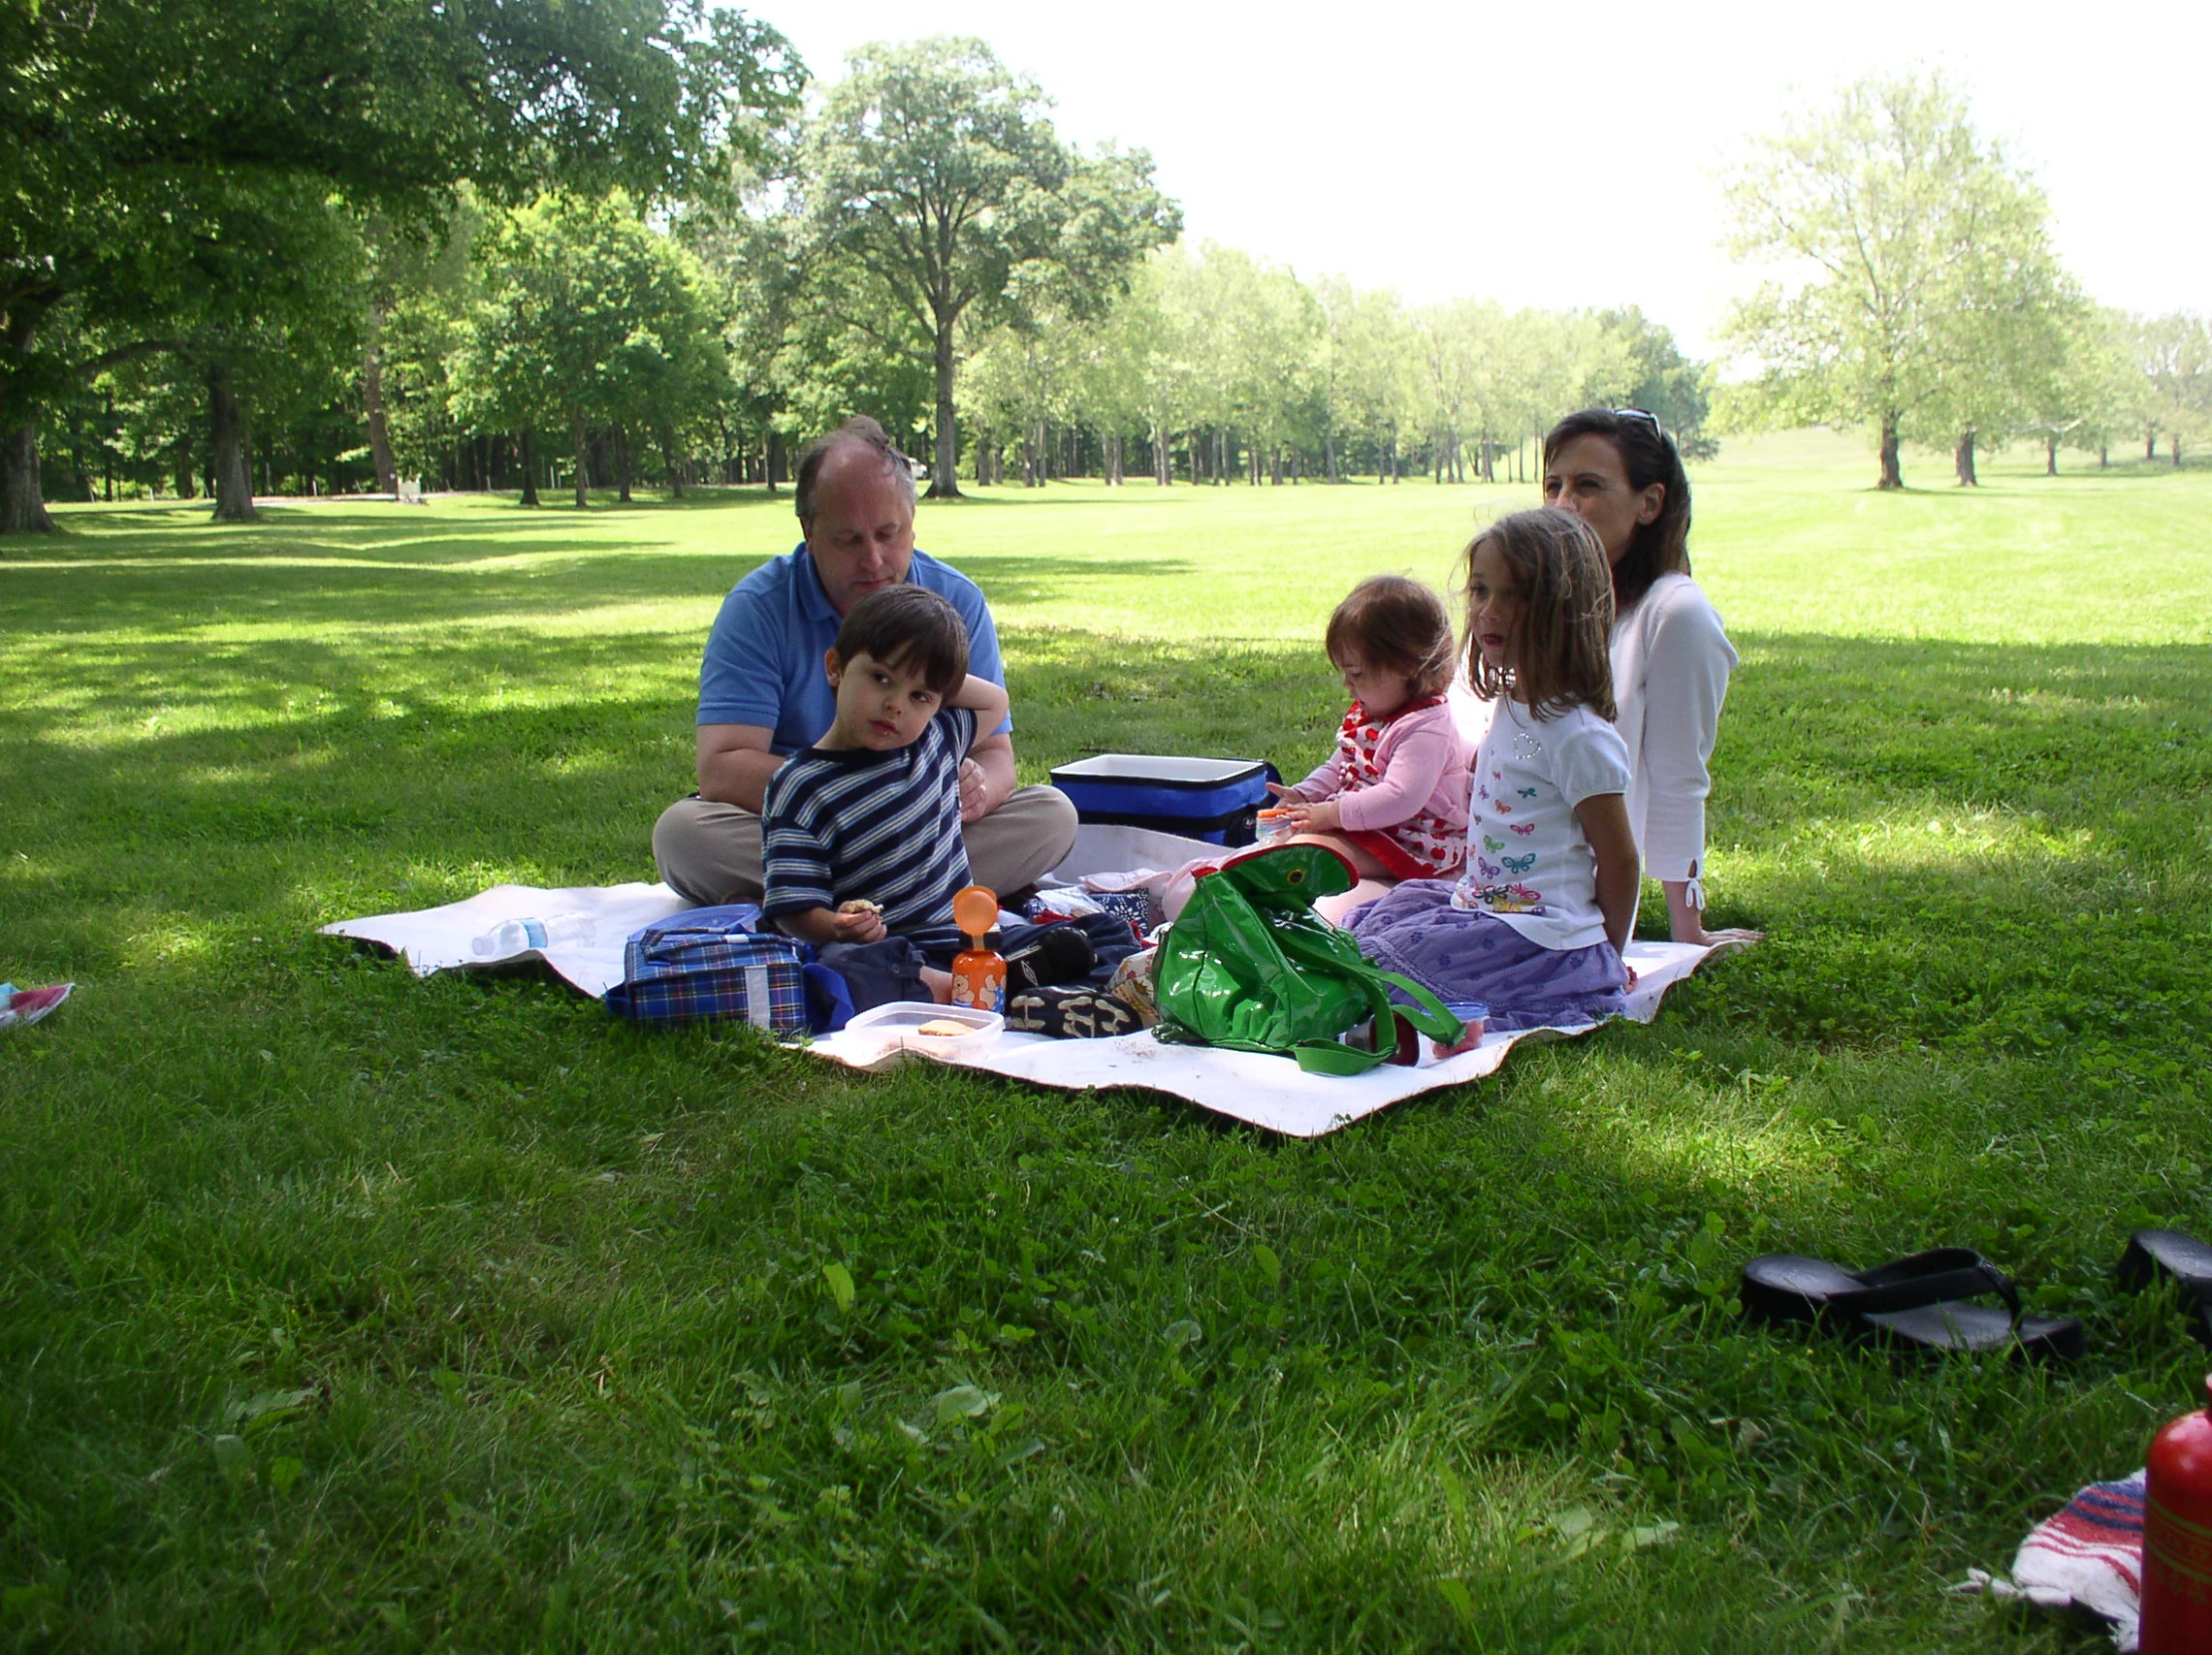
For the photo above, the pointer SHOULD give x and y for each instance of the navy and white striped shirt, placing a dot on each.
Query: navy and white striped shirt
(849, 823)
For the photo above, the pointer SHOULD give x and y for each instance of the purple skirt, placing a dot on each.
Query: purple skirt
(1456, 955)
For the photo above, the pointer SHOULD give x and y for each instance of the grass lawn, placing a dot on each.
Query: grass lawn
(339, 1309)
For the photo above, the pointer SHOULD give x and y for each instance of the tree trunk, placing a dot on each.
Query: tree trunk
(1892, 475)
(1329, 457)
(2051, 456)
(372, 405)
(2177, 451)
(226, 428)
(583, 459)
(22, 506)
(529, 467)
(1962, 460)
(775, 459)
(2105, 457)
(2151, 442)
(22, 503)
(675, 465)
(622, 464)
(944, 483)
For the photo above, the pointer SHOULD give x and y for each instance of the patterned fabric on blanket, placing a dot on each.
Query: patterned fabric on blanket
(2090, 1553)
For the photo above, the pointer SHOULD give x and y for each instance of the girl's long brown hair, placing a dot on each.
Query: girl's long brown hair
(1564, 655)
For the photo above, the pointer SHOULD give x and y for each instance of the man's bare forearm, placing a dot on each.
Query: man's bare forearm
(736, 776)
(994, 756)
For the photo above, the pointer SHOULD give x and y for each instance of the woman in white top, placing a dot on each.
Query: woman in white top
(1618, 472)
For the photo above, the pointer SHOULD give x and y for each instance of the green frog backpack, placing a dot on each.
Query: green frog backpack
(1249, 965)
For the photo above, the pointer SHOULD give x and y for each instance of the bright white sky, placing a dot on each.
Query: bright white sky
(1494, 150)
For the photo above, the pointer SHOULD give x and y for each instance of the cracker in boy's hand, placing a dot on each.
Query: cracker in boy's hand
(860, 904)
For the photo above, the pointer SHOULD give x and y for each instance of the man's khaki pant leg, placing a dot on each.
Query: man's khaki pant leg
(1022, 841)
(710, 852)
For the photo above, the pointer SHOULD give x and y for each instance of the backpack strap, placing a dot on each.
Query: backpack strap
(1427, 1014)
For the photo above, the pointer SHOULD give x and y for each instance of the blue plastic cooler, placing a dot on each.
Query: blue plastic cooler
(1202, 799)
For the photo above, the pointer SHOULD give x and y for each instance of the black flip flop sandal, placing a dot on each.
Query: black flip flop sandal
(1914, 1301)
(2176, 1255)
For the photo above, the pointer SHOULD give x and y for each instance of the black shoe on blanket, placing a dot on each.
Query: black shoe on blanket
(1060, 954)
(1071, 1013)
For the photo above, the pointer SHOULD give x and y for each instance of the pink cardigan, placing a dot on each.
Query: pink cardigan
(1423, 760)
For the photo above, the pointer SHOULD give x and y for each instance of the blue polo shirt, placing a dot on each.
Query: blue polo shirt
(764, 660)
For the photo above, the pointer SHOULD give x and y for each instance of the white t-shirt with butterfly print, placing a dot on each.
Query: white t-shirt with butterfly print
(1527, 860)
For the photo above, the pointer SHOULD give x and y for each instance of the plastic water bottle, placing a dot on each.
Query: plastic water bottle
(515, 937)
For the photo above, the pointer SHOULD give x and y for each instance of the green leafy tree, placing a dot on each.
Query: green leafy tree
(1565, 360)
(1366, 376)
(1668, 383)
(752, 254)
(422, 284)
(2097, 392)
(933, 177)
(1920, 245)
(593, 320)
(2174, 354)
(133, 132)
(271, 316)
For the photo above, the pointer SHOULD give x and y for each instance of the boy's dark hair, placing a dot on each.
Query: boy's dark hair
(859, 431)
(1398, 625)
(1565, 656)
(908, 626)
(1649, 456)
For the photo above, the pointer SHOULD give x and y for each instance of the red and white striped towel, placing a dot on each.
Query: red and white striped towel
(2090, 1554)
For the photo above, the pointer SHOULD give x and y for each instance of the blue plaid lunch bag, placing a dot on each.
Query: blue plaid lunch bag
(711, 962)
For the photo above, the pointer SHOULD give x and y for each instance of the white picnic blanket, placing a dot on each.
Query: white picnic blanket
(592, 923)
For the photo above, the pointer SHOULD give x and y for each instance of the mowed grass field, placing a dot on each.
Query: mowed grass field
(344, 1310)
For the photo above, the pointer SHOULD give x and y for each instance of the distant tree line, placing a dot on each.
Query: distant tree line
(587, 248)
(1917, 296)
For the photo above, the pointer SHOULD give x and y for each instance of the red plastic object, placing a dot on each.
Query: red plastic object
(2177, 1537)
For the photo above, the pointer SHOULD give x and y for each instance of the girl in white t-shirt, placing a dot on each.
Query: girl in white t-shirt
(1535, 925)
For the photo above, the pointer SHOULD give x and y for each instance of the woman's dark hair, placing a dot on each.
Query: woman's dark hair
(1398, 625)
(1647, 454)
(911, 627)
(1564, 653)
(859, 431)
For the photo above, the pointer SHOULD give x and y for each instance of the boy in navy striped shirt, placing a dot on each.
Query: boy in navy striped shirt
(860, 832)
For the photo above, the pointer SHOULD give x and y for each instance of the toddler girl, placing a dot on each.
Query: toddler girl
(1392, 800)
(1536, 924)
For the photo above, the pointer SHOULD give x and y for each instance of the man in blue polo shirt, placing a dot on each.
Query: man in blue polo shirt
(764, 693)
